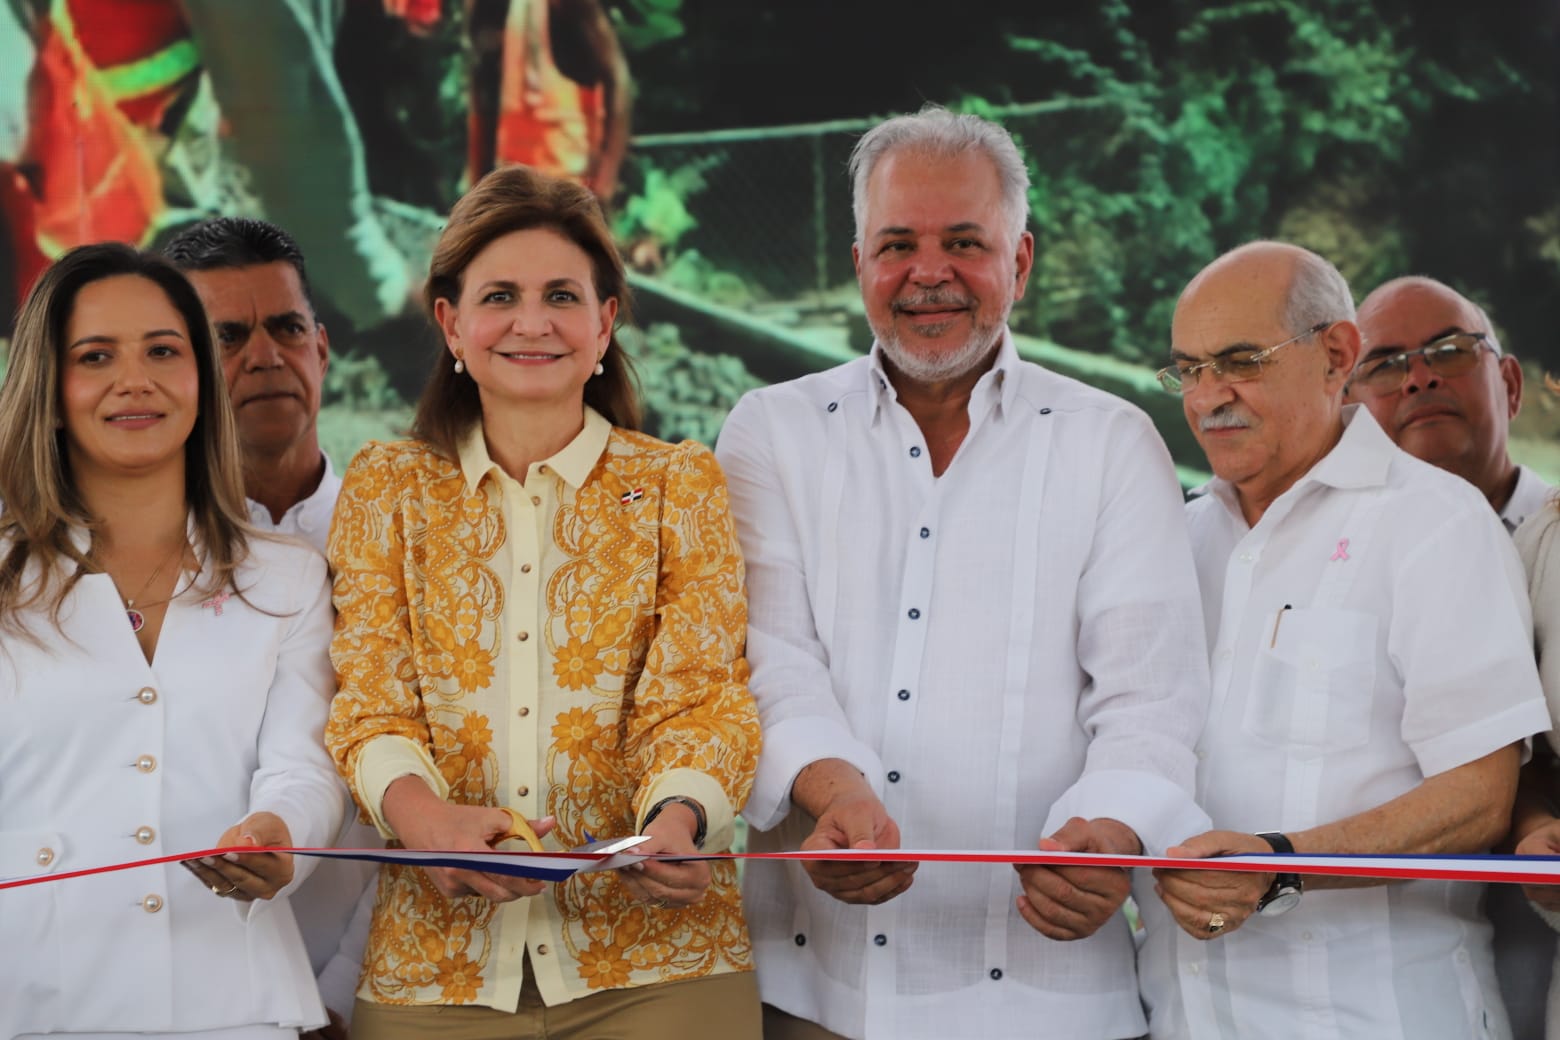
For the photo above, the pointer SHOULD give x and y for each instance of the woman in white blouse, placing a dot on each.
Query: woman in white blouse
(166, 673)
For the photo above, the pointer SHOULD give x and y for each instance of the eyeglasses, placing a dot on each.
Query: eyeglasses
(1447, 357)
(1238, 367)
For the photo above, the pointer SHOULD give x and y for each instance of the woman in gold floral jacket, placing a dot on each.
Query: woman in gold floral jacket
(541, 610)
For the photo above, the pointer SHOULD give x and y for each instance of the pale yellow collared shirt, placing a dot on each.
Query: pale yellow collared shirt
(569, 646)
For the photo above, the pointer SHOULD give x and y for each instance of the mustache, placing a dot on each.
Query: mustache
(1224, 417)
(931, 299)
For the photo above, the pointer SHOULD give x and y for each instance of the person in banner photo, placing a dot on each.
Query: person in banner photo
(1373, 687)
(168, 676)
(542, 615)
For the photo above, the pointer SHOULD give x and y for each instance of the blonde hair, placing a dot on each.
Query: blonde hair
(41, 505)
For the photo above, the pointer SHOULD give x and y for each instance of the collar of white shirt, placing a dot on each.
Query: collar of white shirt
(573, 463)
(1360, 459)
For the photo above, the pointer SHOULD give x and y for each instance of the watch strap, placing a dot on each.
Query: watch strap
(700, 822)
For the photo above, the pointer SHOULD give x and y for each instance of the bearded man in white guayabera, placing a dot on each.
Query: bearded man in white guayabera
(972, 625)
(1373, 686)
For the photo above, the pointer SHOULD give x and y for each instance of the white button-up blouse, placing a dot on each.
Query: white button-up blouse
(106, 758)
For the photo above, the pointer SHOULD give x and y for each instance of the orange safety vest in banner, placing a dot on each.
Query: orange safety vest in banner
(545, 119)
(105, 73)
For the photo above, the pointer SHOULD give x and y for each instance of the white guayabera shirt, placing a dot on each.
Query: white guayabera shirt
(1370, 631)
(996, 649)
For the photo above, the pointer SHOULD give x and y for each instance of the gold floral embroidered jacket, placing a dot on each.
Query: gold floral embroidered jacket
(573, 647)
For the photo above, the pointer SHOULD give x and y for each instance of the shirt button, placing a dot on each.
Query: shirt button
(525, 568)
(926, 532)
(152, 903)
(524, 712)
(145, 835)
(1246, 557)
(147, 695)
(543, 468)
(536, 500)
(523, 636)
(801, 940)
(1195, 969)
(914, 614)
(915, 453)
(880, 940)
(1045, 411)
(541, 950)
(893, 776)
(146, 763)
(522, 790)
(45, 857)
(996, 974)
(904, 695)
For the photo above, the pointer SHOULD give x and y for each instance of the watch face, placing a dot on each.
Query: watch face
(1281, 902)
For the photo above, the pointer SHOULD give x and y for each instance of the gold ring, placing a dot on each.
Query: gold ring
(660, 904)
(1216, 924)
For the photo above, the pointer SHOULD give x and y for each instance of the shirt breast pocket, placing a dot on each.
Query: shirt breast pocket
(1313, 683)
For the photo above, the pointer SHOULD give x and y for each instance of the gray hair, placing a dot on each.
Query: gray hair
(1318, 294)
(937, 132)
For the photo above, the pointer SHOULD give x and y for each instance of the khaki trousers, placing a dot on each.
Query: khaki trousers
(718, 1007)
(782, 1025)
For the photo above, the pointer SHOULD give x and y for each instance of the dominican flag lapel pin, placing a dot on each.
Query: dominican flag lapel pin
(633, 496)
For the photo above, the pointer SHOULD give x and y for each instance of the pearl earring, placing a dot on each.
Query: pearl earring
(460, 366)
(600, 368)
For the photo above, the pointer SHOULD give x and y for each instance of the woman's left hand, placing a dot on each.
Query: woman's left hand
(255, 875)
(663, 883)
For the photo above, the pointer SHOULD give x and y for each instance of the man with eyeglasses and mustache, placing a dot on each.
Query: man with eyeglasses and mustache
(251, 279)
(972, 624)
(1373, 682)
(1434, 376)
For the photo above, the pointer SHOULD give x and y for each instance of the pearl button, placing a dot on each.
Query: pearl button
(522, 790)
(542, 950)
(543, 468)
(523, 636)
(147, 695)
(523, 712)
(525, 568)
(536, 500)
(146, 764)
(45, 857)
(145, 835)
(152, 903)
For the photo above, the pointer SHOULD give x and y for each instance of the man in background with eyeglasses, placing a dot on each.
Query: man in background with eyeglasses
(1434, 376)
(1373, 679)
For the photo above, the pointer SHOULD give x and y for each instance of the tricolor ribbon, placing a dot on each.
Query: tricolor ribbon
(609, 855)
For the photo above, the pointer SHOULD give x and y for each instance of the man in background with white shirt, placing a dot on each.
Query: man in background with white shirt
(1435, 377)
(972, 625)
(1373, 681)
(251, 279)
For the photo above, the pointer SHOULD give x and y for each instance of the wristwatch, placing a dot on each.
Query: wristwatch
(1284, 894)
(693, 806)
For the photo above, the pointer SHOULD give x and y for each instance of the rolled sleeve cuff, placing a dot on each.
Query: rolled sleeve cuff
(1160, 813)
(719, 816)
(1448, 751)
(790, 747)
(382, 762)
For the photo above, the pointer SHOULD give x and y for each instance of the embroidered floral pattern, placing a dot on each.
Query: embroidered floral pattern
(642, 618)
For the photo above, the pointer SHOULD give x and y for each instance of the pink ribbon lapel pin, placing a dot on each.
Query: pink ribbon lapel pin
(1340, 553)
(215, 602)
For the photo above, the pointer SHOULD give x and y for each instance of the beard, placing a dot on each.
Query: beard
(939, 366)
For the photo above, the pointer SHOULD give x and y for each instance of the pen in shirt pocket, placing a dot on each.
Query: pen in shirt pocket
(1278, 621)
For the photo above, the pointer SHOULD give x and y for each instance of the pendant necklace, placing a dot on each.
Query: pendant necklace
(137, 619)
